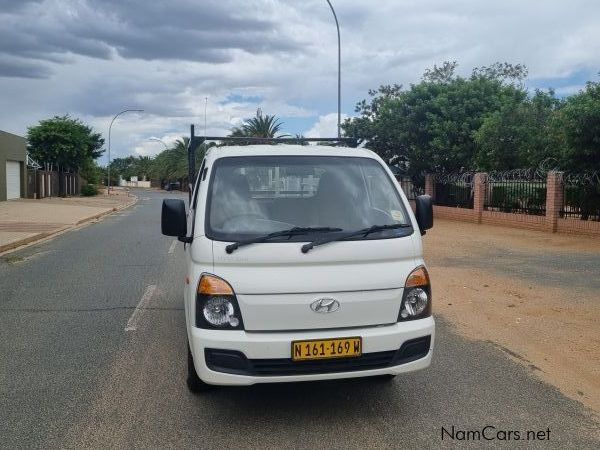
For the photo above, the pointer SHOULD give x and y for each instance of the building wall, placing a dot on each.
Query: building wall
(12, 148)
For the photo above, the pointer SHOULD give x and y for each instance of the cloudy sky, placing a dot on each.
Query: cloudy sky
(93, 58)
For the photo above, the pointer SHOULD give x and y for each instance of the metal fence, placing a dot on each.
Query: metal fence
(410, 187)
(454, 189)
(42, 183)
(520, 191)
(581, 196)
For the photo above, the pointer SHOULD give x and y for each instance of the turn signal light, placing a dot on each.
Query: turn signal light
(216, 305)
(211, 285)
(418, 277)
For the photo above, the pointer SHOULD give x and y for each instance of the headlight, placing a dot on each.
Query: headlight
(219, 311)
(416, 301)
(216, 305)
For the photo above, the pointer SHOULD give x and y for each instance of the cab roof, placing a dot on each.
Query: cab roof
(288, 150)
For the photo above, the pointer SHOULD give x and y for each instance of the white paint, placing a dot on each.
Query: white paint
(13, 179)
(172, 247)
(277, 345)
(275, 284)
(132, 323)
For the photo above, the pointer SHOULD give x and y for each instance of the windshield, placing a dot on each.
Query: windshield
(253, 195)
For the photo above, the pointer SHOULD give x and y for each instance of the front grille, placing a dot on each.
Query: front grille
(366, 361)
(235, 362)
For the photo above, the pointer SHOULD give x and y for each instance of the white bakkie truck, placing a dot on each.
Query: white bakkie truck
(302, 263)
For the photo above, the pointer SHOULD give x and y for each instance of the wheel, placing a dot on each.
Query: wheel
(194, 383)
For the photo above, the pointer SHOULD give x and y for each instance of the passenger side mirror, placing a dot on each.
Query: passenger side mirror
(424, 212)
(173, 218)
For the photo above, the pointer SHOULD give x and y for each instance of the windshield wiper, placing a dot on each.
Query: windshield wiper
(290, 232)
(364, 232)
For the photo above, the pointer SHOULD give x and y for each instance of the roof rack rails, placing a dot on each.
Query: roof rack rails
(196, 141)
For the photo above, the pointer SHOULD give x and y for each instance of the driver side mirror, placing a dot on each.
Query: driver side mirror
(424, 212)
(173, 219)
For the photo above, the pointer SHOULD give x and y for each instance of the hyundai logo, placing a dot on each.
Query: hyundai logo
(325, 305)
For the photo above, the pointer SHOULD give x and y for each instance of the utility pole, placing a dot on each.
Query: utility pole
(205, 106)
(339, 120)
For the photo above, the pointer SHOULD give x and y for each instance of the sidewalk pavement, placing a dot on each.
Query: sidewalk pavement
(24, 221)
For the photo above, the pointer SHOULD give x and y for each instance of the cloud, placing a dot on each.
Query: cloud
(326, 126)
(93, 58)
(154, 145)
(15, 5)
(18, 68)
(183, 30)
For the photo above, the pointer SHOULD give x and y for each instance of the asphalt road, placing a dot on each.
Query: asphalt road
(72, 376)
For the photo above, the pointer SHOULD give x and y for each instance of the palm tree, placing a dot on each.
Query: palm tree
(262, 126)
(143, 166)
(259, 126)
(172, 163)
(300, 140)
(237, 132)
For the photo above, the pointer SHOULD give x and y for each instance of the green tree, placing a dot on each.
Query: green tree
(520, 134)
(259, 126)
(130, 166)
(432, 123)
(172, 163)
(122, 167)
(578, 124)
(64, 142)
(91, 172)
(143, 166)
(262, 126)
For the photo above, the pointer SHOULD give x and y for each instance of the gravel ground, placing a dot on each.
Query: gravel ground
(534, 295)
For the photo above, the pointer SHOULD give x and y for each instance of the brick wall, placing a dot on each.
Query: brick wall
(514, 220)
(551, 222)
(451, 213)
(586, 227)
(429, 185)
(555, 192)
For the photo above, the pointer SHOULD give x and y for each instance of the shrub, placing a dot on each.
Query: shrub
(453, 194)
(89, 190)
(519, 196)
(584, 200)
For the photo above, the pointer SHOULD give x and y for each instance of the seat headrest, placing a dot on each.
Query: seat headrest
(235, 183)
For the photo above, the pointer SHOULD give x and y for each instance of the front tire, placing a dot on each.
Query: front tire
(194, 383)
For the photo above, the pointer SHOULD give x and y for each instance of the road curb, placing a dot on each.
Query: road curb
(6, 248)
(46, 236)
(110, 211)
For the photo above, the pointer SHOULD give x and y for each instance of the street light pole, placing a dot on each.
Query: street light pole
(205, 106)
(109, 130)
(159, 140)
(339, 121)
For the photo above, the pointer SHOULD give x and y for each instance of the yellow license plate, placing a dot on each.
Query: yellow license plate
(326, 349)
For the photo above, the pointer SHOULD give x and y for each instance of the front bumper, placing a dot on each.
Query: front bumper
(277, 345)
